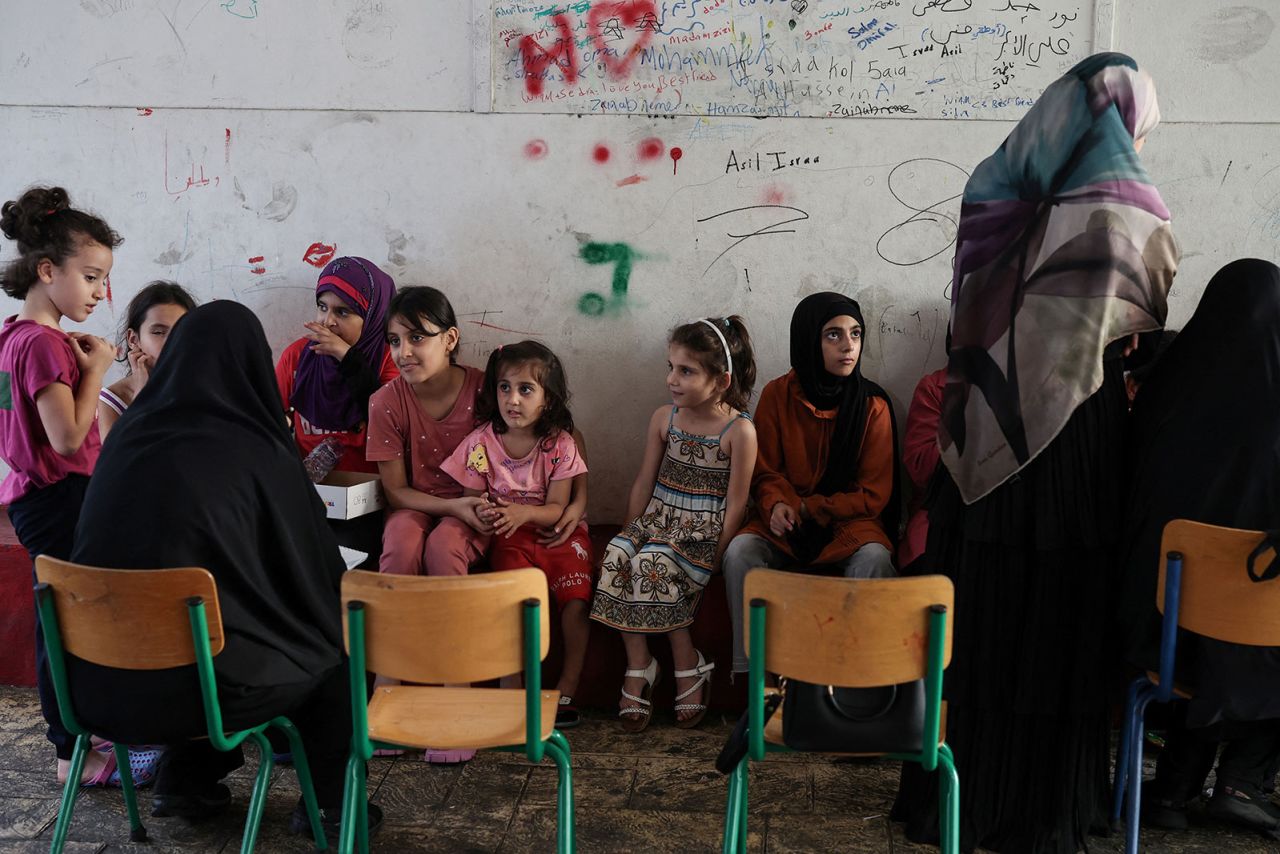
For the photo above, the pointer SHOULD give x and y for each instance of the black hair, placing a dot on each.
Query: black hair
(704, 344)
(551, 376)
(44, 225)
(414, 304)
(159, 292)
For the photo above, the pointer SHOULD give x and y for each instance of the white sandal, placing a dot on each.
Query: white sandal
(701, 671)
(636, 718)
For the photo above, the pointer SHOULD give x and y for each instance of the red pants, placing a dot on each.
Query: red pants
(567, 566)
(414, 543)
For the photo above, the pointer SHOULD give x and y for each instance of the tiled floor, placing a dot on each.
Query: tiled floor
(656, 792)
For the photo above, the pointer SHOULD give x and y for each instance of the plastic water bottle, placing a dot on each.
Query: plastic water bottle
(323, 458)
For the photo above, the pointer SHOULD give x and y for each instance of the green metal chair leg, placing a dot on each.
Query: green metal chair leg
(351, 802)
(258, 800)
(362, 813)
(303, 769)
(559, 738)
(732, 810)
(69, 792)
(137, 833)
(744, 815)
(566, 842)
(950, 808)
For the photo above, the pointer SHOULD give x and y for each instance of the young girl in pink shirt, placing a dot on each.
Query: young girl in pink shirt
(523, 460)
(49, 384)
(415, 422)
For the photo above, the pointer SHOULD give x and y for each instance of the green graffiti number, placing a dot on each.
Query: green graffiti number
(620, 255)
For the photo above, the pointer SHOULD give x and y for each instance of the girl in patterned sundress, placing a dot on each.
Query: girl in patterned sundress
(687, 502)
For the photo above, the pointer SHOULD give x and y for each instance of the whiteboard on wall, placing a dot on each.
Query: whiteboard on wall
(988, 59)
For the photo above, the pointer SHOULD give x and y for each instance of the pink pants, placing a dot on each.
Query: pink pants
(414, 543)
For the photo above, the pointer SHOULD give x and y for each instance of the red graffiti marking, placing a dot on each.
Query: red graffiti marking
(676, 154)
(145, 111)
(638, 16)
(227, 149)
(258, 269)
(600, 154)
(535, 149)
(774, 195)
(109, 302)
(633, 179)
(538, 59)
(319, 254)
(651, 148)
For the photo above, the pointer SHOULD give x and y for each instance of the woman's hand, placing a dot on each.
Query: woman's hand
(783, 519)
(326, 341)
(559, 534)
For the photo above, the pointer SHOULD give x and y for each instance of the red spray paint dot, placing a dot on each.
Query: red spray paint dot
(774, 195)
(145, 111)
(535, 149)
(651, 148)
(676, 154)
(600, 154)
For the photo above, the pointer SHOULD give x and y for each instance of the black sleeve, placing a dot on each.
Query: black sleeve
(361, 379)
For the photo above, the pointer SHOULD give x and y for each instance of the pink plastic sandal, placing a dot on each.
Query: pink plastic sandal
(447, 757)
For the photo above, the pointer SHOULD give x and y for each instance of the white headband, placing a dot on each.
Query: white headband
(728, 357)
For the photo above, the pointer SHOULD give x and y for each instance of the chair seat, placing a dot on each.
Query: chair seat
(773, 729)
(454, 718)
(1178, 690)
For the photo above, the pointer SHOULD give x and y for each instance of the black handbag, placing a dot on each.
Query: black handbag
(828, 719)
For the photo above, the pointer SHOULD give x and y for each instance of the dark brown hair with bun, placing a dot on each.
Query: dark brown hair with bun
(44, 225)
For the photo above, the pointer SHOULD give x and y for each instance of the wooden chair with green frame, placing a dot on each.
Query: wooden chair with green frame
(854, 633)
(1203, 588)
(445, 631)
(150, 619)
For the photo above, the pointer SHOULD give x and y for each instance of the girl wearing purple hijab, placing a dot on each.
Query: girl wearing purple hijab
(327, 376)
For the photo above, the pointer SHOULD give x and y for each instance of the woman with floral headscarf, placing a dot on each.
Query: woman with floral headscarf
(1064, 253)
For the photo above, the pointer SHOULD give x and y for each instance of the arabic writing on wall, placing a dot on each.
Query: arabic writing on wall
(962, 59)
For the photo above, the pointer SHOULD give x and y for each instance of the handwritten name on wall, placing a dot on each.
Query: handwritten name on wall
(962, 59)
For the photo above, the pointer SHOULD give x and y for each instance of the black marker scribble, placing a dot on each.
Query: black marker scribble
(916, 245)
(760, 232)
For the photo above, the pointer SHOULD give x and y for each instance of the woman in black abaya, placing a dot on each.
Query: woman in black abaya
(1205, 446)
(201, 471)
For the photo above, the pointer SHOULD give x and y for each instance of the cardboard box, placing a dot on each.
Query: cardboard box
(348, 494)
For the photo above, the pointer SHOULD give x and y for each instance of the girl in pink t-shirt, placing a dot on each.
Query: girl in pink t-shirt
(522, 460)
(415, 422)
(49, 384)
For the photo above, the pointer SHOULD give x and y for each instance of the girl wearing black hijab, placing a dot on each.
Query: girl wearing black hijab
(1205, 446)
(825, 486)
(202, 471)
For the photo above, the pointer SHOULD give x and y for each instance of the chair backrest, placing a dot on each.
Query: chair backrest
(464, 628)
(134, 619)
(1218, 599)
(850, 632)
